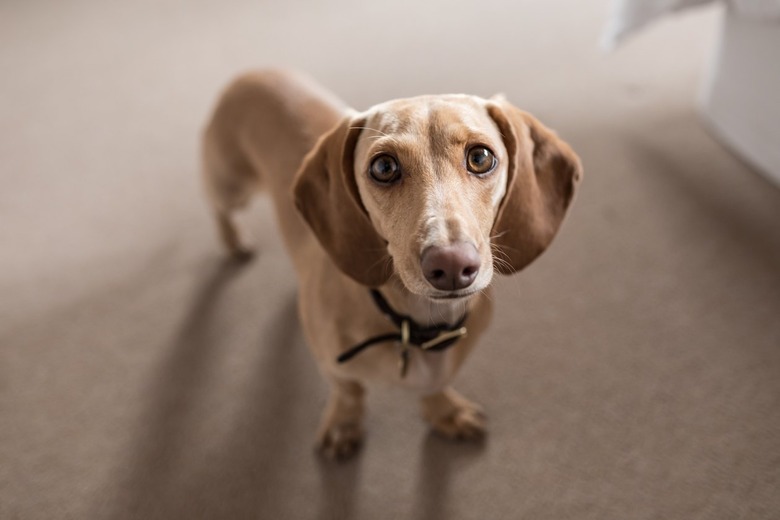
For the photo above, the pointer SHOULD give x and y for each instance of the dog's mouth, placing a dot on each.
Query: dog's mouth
(453, 295)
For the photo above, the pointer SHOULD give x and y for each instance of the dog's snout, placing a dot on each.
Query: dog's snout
(450, 267)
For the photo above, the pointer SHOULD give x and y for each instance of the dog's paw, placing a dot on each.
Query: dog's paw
(340, 441)
(453, 416)
(466, 423)
(242, 253)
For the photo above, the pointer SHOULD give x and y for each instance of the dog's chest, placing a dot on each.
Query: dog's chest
(429, 372)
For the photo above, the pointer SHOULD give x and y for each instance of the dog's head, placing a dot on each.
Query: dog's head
(442, 190)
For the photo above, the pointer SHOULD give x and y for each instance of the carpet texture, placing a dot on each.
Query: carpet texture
(633, 372)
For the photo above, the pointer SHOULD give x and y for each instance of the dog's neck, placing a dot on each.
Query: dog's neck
(422, 310)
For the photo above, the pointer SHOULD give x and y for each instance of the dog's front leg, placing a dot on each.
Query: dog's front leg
(453, 416)
(341, 428)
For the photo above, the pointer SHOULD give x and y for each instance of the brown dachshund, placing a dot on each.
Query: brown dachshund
(396, 219)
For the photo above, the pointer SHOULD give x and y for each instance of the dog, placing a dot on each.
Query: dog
(396, 220)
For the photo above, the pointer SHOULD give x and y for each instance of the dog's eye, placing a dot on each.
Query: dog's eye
(480, 160)
(385, 169)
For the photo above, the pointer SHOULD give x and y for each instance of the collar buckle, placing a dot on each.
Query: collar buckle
(403, 362)
(444, 336)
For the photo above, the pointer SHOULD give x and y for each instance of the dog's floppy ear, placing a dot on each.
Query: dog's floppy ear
(543, 175)
(327, 196)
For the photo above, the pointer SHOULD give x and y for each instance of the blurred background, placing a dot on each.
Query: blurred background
(632, 372)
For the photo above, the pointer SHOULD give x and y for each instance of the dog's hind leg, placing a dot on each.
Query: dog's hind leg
(230, 184)
(232, 236)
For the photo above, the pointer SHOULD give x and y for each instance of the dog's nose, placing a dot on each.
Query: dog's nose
(450, 267)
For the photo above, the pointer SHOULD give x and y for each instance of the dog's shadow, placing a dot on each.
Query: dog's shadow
(339, 483)
(259, 463)
(168, 473)
(439, 460)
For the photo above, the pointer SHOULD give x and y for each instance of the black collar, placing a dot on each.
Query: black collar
(433, 338)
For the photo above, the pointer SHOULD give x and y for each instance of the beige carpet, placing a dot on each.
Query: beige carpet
(632, 373)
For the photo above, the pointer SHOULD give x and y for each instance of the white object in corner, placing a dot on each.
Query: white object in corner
(628, 16)
(741, 99)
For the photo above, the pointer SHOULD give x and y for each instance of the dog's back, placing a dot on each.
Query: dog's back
(284, 114)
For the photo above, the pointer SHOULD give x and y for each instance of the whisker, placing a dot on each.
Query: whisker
(387, 259)
(501, 262)
(486, 293)
(509, 247)
(500, 257)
